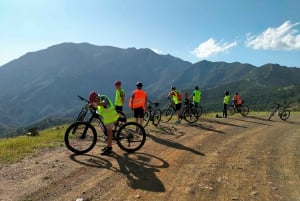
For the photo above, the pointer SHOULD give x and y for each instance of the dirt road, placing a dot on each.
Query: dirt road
(238, 158)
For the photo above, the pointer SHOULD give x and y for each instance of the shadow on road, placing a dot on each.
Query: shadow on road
(139, 168)
(175, 145)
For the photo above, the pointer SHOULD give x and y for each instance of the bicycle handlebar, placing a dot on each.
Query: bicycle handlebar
(83, 99)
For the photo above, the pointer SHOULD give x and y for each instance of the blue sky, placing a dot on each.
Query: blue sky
(247, 31)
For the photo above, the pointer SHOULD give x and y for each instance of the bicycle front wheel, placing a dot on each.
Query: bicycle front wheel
(147, 117)
(230, 109)
(285, 114)
(272, 114)
(131, 137)
(191, 115)
(156, 117)
(244, 110)
(166, 115)
(80, 137)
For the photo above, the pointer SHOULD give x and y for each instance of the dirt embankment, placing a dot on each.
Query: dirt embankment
(238, 158)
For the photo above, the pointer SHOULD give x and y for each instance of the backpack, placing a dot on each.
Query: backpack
(179, 95)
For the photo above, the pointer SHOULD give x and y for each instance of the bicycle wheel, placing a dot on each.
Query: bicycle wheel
(271, 114)
(191, 115)
(230, 109)
(199, 109)
(166, 115)
(147, 118)
(80, 137)
(285, 114)
(131, 137)
(156, 117)
(244, 110)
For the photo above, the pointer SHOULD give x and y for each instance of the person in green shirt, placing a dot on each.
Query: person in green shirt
(119, 97)
(226, 100)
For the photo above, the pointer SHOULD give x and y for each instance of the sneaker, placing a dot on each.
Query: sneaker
(106, 151)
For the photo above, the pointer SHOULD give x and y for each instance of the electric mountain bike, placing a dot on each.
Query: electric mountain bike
(81, 136)
(282, 111)
(153, 113)
(233, 108)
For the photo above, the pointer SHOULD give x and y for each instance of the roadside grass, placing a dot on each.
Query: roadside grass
(15, 149)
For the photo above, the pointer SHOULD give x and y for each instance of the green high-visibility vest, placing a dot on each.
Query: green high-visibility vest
(196, 96)
(108, 113)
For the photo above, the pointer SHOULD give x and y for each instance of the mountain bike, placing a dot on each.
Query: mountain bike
(168, 113)
(282, 111)
(190, 112)
(233, 108)
(153, 113)
(81, 136)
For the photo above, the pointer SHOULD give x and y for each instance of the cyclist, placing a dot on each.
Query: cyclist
(105, 108)
(197, 94)
(174, 94)
(226, 100)
(119, 97)
(138, 103)
(237, 101)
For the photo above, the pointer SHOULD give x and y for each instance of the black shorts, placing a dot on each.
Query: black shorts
(119, 108)
(178, 106)
(138, 112)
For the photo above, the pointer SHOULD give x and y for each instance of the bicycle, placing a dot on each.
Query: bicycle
(81, 136)
(282, 111)
(153, 114)
(233, 108)
(190, 112)
(168, 113)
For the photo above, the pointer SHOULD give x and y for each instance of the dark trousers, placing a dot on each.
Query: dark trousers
(225, 110)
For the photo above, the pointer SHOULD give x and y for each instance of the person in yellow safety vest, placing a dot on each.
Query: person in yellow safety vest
(173, 94)
(138, 102)
(197, 94)
(106, 109)
(119, 97)
(226, 100)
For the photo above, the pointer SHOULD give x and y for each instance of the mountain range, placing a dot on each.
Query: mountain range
(44, 84)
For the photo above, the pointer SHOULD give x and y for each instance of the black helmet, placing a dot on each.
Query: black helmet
(173, 87)
(196, 87)
(139, 84)
(226, 92)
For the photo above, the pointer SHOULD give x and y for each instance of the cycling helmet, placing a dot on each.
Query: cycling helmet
(196, 87)
(173, 87)
(92, 96)
(226, 93)
(139, 84)
(118, 82)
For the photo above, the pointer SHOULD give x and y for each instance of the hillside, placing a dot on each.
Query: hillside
(44, 84)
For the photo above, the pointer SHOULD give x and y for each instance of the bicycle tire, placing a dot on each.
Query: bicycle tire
(147, 117)
(156, 117)
(190, 115)
(284, 115)
(230, 109)
(200, 110)
(80, 137)
(166, 115)
(131, 137)
(244, 110)
(271, 114)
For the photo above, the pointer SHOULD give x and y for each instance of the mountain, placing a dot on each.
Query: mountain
(44, 84)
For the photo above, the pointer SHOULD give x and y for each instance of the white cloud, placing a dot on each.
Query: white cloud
(284, 37)
(157, 51)
(210, 47)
